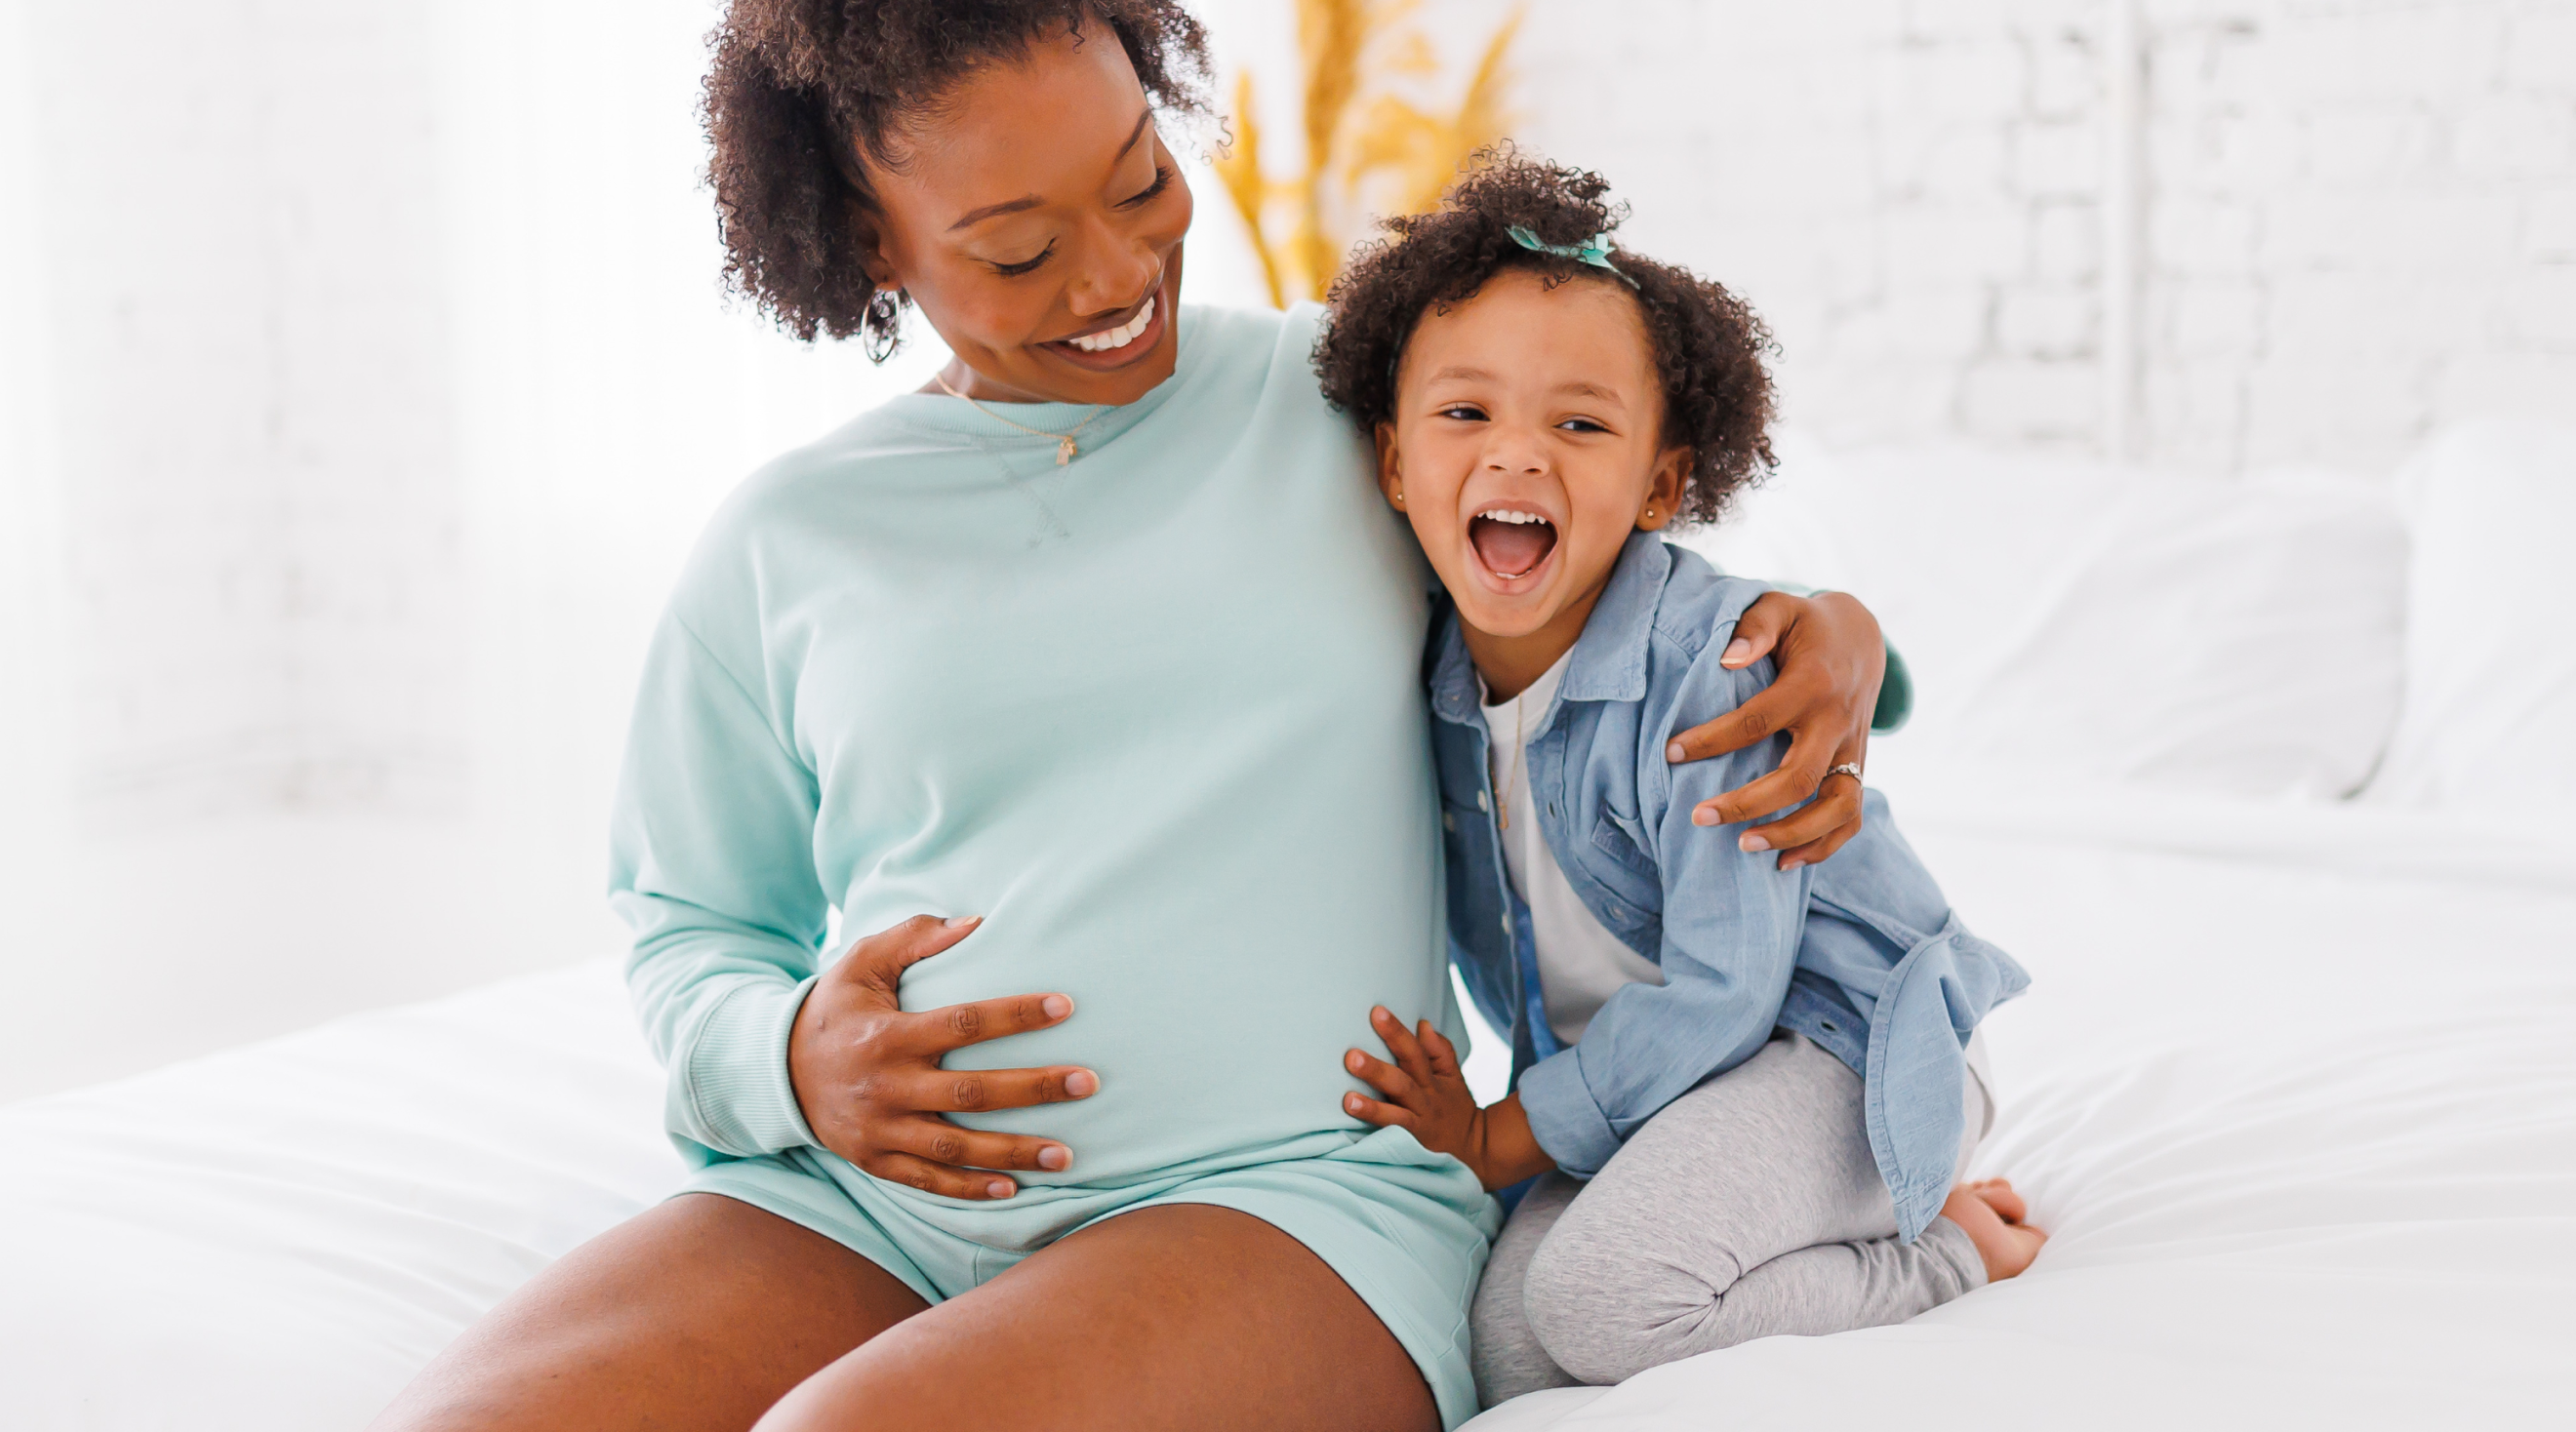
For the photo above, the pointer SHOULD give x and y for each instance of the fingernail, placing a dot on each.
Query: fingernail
(1052, 1157)
(956, 920)
(1787, 864)
(1704, 817)
(1750, 842)
(1352, 1103)
(999, 1188)
(1081, 1083)
(1056, 1006)
(1353, 1059)
(1673, 752)
(1738, 652)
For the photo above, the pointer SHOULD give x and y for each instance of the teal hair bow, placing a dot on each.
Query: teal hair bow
(1594, 251)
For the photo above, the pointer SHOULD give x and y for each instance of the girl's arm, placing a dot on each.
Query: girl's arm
(1731, 925)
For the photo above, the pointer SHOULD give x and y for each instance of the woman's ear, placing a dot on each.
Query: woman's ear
(1390, 466)
(1664, 490)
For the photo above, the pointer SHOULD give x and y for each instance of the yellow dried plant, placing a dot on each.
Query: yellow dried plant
(1389, 153)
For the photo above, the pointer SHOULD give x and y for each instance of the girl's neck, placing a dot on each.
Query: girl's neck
(1510, 663)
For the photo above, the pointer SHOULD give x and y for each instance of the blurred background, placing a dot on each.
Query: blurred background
(365, 374)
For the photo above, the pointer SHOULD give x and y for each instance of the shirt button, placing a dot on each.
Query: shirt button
(1481, 802)
(1507, 924)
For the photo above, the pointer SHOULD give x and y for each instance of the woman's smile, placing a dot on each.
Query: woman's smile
(1123, 339)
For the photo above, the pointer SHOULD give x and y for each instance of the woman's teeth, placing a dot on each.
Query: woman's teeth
(1116, 338)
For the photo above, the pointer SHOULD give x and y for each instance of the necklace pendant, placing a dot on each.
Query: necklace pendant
(1065, 451)
(1504, 815)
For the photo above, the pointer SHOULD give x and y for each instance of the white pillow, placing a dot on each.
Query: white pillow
(2110, 623)
(2489, 717)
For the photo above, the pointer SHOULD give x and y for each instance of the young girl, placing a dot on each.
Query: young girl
(1745, 1084)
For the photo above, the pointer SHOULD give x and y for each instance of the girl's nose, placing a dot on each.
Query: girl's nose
(1511, 452)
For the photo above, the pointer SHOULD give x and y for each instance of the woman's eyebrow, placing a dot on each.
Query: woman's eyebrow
(995, 211)
(1031, 201)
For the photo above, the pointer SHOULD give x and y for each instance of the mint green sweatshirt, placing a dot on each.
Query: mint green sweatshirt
(1156, 715)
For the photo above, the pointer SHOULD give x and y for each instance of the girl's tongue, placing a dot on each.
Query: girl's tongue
(1511, 549)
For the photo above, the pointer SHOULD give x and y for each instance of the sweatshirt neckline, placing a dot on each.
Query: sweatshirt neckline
(939, 412)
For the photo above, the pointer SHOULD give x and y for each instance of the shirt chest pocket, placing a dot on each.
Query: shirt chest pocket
(1623, 868)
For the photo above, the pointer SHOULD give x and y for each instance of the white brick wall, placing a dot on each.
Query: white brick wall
(274, 405)
(2360, 217)
(250, 403)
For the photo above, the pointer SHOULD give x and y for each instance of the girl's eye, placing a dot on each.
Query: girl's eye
(1582, 425)
(1017, 269)
(1464, 412)
(1162, 181)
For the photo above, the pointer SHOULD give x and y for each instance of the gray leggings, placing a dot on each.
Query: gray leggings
(1749, 1207)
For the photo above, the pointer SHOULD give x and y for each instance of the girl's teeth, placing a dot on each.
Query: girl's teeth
(1117, 338)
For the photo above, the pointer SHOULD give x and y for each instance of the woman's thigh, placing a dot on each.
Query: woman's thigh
(1182, 1316)
(695, 1314)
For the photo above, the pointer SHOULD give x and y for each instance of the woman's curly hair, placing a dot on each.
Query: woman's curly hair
(800, 87)
(1708, 346)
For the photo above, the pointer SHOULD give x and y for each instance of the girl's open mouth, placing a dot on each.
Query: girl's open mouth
(1512, 544)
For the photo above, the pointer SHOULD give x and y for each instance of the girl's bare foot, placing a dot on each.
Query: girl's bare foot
(1991, 1214)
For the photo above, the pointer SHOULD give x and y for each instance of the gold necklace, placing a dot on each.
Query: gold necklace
(1520, 752)
(1065, 450)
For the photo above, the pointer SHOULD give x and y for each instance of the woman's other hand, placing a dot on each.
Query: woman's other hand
(868, 1076)
(1428, 1096)
(1831, 660)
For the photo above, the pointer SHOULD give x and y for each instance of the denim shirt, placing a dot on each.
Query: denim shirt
(1860, 953)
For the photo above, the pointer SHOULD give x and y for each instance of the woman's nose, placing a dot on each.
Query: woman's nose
(1120, 274)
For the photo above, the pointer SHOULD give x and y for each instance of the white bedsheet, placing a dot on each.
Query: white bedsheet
(2304, 1126)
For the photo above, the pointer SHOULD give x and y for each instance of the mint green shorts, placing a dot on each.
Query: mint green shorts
(1408, 1230)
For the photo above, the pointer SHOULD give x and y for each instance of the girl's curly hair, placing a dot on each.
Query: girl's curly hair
(1708, 346)
(800, 87)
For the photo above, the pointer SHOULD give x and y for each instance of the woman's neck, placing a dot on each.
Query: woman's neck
(965, 382)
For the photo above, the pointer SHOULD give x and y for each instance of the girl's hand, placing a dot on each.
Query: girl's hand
(1831, 661)
(1431, 1100)
(868, 1076)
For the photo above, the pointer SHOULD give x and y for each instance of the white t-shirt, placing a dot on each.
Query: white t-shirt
(1580, 963)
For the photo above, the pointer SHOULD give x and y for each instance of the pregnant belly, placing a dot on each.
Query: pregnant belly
(1217, 1027)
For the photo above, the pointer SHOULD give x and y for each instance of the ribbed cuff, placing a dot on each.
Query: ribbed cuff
(1563, 1117)
(1895, 694)
(737, 1096)
(1953, 1245)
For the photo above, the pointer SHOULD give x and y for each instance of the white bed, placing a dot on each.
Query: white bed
(2295, 1091)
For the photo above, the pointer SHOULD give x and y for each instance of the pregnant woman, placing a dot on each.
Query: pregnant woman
(1090, 679)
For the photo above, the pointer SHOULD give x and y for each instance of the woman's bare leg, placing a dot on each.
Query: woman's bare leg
(694, 1315)
(1179, 1316)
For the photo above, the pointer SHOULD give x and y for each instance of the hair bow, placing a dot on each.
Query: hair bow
(1594, 251)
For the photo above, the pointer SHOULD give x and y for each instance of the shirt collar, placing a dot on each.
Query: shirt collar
(1609, 662)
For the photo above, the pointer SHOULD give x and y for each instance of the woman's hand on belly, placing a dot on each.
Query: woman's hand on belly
(869, 1081)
